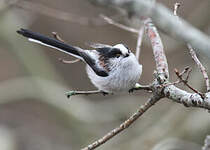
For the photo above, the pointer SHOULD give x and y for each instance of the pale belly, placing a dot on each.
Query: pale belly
(117, 81)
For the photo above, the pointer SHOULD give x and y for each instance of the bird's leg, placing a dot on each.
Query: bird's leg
(72, 93)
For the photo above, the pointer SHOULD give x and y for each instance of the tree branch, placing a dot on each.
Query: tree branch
(125, 124)
(57, 37)
(179, 75)
(157, 46)
(58, 14)
(121, 26)
(161, 78)
(186, 98)
(200, 66)
(164, 19)
(139, 41)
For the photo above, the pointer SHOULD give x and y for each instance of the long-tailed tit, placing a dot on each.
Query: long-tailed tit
(110, 68)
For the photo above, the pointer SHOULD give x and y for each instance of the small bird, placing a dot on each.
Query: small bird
(110, 68)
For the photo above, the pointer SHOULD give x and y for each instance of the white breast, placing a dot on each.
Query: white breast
(123, 76)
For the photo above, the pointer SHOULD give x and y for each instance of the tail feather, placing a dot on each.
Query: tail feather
(50, 42)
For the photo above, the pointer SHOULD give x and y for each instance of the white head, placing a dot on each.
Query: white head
(123, 48)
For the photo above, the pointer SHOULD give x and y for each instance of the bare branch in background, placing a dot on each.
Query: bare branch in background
(57, 37)
(59, 14)
(139, 41)
(165, 20)
(194, 57)
(125, 124)
(179, 75)
(44, 10)
(121, 26)
(68, 61)
(200, 66)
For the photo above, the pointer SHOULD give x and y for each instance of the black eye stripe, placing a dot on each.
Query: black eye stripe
(114, 52)
(108, 52)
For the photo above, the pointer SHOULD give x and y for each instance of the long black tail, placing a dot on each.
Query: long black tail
(50, 42)
(71, 50)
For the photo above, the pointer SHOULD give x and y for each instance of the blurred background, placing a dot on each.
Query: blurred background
(34, 112)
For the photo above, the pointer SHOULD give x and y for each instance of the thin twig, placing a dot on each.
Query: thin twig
(188, 73)
(139, 41)
(68, 61)
(121, 26)
(200, 66)
(57, 37)
(186, 70)
(125, 124)
(59, 14)
(195, 58)
(185, 82)
(72, 93)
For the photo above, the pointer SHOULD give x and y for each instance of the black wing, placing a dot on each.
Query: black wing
(92, 63)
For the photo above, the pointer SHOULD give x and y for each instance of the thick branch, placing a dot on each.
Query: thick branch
(164, 19)
(125, 124)
(157, 46)
(186, 98)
